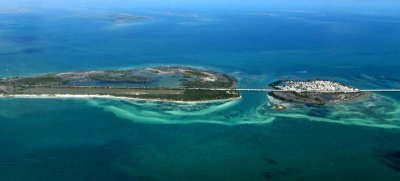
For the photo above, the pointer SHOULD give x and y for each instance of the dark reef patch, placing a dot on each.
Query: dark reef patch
(391, 159)
(276, 170)
(268, 175)
(27, 51)
(86, 161)
(31, 51)
(81, 153)
(20, 39)
(270, 161)
(279, 173)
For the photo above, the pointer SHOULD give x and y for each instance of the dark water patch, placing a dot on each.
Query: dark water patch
(318, 111)
(276, 171)
(81, 153)
(391, 159)
(268, 175)
(355, 54)
(9, 27)
(391, 79)
(270, 161)
(20, 39)
(8, 53)
(278, 174)
(379, 80)
(31, 51)
(81, 161)
(26, 51)
(8, 163)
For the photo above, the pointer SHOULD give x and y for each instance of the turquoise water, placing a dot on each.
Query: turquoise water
(101, 139)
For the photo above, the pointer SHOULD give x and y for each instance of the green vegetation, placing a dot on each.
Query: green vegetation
(193, 95)
(119, 76)
(196, 73)
(40, 80)
(226, 82)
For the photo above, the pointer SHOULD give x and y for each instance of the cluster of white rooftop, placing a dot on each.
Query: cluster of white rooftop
(315, 86)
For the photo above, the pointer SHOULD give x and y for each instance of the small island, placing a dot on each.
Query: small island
(313, 92)
(119, 18)
(163, 83)
(126, 18)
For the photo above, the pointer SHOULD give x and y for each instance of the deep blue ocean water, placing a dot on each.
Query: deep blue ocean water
(97, 139)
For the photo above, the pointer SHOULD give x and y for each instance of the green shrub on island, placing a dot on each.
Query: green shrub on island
(193, 95)
(121, 78)
(40, 80)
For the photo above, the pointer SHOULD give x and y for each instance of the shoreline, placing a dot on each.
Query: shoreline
(83, 96)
